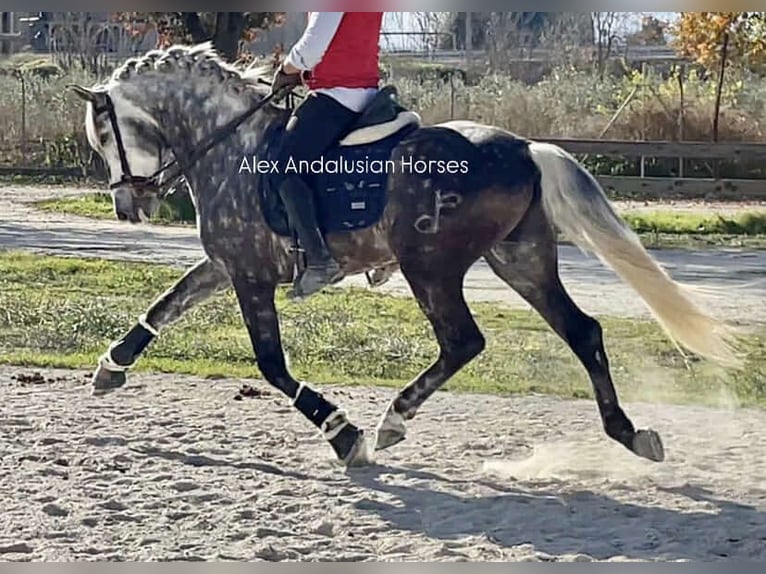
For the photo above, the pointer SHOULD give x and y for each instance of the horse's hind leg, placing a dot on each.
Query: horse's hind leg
(459, 339)
(198, 284)
(527, 261)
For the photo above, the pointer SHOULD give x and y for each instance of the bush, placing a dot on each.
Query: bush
(567, 102)
(54, 130)
(574, 103)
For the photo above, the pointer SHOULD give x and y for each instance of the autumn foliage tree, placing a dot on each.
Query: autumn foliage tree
(702, 37)
(226, 30)
(718, 39)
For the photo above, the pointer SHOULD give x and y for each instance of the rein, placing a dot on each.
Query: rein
(198, 153)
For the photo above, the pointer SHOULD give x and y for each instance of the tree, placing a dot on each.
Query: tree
(454, 26)
(500, 32)
(226, 30)
(652, 33)
(607, 27)
(428, 25)
(76, 39)
(512, 35)
(418, 29)
(512, 30)
(702, 35)
(716, 39)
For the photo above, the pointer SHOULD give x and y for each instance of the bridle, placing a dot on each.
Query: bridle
(151, 182)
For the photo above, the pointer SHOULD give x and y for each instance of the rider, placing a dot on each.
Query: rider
(337, 59)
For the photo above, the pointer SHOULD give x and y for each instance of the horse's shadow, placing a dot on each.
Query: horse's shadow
(580, 522)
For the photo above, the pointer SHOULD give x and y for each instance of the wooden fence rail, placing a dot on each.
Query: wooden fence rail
(653, 188)
(686, 149)
(648, 188)
(660, 188)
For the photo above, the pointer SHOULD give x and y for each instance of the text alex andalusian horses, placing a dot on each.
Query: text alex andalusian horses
(434, 227)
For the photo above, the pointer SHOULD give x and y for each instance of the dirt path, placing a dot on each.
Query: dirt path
(174, 468)
(595, 288)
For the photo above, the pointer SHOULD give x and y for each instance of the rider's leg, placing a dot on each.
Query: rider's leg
(317, 124)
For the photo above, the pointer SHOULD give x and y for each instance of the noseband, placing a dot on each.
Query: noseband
(151, 182)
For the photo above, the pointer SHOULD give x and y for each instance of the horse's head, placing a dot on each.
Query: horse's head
(164, 106)
(131, 145)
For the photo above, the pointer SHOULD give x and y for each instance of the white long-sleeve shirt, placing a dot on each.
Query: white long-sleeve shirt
(309, 50)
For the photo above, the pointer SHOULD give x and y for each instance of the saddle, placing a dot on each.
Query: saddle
(348, 201)
(382, 117)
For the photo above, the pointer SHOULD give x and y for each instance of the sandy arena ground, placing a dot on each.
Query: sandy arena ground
(173, 468)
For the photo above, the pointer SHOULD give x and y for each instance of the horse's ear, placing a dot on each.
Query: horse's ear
(85, 93)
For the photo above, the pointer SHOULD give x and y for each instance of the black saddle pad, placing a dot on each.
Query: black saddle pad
(350, 184)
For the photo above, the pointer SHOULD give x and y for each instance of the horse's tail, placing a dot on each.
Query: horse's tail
(575, 203)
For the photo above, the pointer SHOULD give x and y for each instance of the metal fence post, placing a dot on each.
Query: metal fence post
(23, 113)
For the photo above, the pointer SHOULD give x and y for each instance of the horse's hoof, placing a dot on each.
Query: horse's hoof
(294, 295)
(391, 430)
(350, 446)
(105, 381)
(647, 444)
(379, 276)
(360, 454)
(387, 438)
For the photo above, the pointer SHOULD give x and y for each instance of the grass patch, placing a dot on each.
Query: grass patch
(681, 223)
(49, 180)
(99, 206)
(63, 312)
(656, 229)
(673, 229)
(95, 205)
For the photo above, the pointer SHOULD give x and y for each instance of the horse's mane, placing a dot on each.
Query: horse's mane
(259, 72)
(201, 59)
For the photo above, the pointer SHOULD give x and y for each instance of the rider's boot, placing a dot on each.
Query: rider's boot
(321, 268)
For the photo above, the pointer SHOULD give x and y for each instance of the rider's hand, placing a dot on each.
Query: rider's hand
(282, 80)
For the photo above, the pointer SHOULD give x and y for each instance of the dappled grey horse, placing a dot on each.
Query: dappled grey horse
(433, 222)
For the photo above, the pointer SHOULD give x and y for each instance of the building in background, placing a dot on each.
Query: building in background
(10, 35)
(44, 32)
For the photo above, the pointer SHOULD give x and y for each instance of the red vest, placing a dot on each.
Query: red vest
(351, 59)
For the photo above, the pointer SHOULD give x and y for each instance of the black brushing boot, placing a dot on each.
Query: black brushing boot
(321, 268)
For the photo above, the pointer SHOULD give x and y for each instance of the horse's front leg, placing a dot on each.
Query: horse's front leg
(256, 300)
(198, 284)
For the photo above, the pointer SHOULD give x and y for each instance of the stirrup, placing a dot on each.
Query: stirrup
(298, 291)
